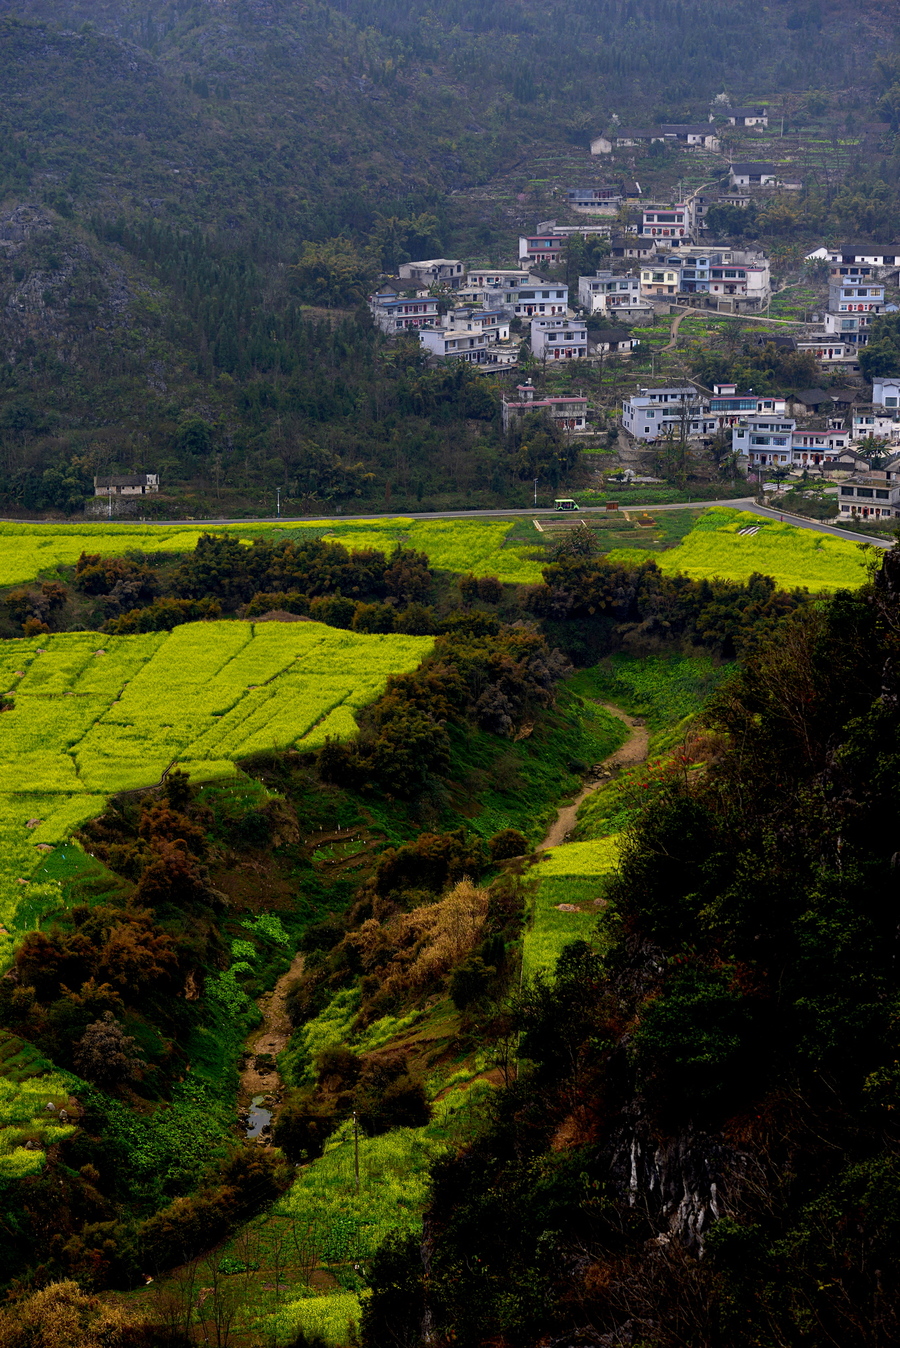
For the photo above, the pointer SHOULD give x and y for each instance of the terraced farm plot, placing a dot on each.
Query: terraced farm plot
(28, 551)
(794, 557)
(568, 900)
(90, 720)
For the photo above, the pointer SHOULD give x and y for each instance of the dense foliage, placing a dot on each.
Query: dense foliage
(724, 1082)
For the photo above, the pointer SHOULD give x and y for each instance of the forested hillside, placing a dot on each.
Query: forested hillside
(195, 198)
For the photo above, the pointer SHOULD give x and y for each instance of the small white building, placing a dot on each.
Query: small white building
(616, 342)
(435, 271)
(753, 175)
(558, 338)
(133, 484)
(886, 391)
(742, 116)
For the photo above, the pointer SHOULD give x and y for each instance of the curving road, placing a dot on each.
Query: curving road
(737, 503)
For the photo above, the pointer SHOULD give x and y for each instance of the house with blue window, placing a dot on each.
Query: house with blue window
(727, 405)
(886, 392)
(765, 440)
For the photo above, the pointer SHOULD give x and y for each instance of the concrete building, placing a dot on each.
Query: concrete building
(753, 175)
(764, 440)
(393, 310)
(657, 414)
(610, 292)
(741, 116)
(435, 271)
(128, 484)
(558, 338)
(886, 391)
(728, 406)
(546, 246)
(493, 323)
(446, 343)
(668, 222)
(870, 495)
(569, 413)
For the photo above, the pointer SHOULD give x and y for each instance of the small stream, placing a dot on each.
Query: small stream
(258, 1118)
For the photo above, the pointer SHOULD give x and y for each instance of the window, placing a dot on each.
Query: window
(864, 491)
(882, 495)
(889, 402)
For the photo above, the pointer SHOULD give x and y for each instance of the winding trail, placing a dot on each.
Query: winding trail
(633, 751)
(270, 1038)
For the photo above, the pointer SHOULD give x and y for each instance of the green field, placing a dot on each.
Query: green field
(28, 551)
(571, 876)
(91, 719)
(794, 557)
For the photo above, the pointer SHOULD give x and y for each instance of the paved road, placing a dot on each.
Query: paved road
(737, 503)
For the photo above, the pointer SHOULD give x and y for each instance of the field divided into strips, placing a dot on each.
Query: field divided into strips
(794, 557)
(568, 902)
(28, 551)
(90, 720)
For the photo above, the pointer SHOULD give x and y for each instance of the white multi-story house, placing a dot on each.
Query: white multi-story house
(764, 440)
(656, 414)
(558, 338)
(448, 343)
(546, 246)
(493, 323)
(393, 310)
(853, 301)
(435, 271)
(773, 441)
(728, 406)
(496, 276)
(523, 299)
(607, 292)
(829, 351)
(884, 424)
(569, 413)
(671, 224)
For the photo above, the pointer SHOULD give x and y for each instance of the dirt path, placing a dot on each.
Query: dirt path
(673, 332)
(634, 750)
(270, 1038)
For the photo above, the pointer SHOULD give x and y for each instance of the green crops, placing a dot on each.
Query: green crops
(95, 715)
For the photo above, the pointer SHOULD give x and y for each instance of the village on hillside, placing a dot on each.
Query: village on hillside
(656, 263)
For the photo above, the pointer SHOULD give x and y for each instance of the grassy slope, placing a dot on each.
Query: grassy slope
(667, 691)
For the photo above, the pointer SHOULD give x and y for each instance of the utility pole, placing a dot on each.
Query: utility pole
(109, 500)
(278, 493)
(356, 1150)
(535, 493)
